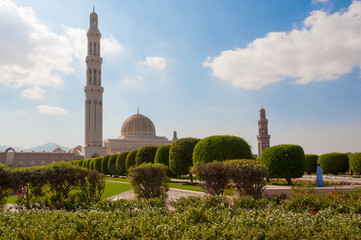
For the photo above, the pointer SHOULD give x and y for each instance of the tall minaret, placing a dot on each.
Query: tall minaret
(93, 93)
(263, 137)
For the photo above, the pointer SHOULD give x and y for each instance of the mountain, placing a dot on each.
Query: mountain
(48, 147)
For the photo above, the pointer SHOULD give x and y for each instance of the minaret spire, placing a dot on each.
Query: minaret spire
(263, 137)
(93, 93)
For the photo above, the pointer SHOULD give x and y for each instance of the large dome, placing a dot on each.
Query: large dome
(138, 124)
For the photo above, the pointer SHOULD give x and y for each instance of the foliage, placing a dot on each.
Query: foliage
(311, 216)
(284, 161)
(355, 162)
(104, 165)
(97, 164)
(145, 155)
(310, 163)
(334, 162)
(220, 148)
(180, 155)
(112, 165)
(120, 163)
(214, 177)
(4, 183)
(162, 155)
(248, 177)
(55, 185)
(149, 180)
(130, 160)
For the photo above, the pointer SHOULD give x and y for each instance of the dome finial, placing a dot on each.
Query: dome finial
(93, 9)
(137, 109)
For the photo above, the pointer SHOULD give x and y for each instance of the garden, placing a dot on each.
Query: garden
(67, 200)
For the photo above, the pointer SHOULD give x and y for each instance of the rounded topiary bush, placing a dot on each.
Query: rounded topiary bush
(310, 163)
(220, 148)
(97, 164)
(162, 155)
(112, 165)
(145, 154)
(180, 155)
(334, 162)
(105, 161)
(284, 161)
(355, 162)
(130, 160)
(120, 164)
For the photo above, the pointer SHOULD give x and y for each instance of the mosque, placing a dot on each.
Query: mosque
(137, 130)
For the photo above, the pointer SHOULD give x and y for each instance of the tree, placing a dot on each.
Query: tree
(130, 160)
(334, 162)
(105, 161)
(284, 161)
(310, 163)
(180, 156)
(120, 163)
(112, 165)
(220, 148)
(145, 154)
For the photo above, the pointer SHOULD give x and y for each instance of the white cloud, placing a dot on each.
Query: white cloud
(326, 48)
(51, 110)
(155, 62)
(133, 81)
(316, 1)
(31, 55)
(33, 93)
(34, 56)
(110, 47)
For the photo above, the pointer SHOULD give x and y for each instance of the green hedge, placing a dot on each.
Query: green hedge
(284, 161)
(180, 155)
(97, 164)
(220, 148)
(120, 163)
(112, 165)
(355, 162)
(130, 160)
(310, 163)
(334, 162)
(162, 155)
(146, 154)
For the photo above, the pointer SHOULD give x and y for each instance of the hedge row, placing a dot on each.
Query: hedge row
(247, 176)
(58, 185)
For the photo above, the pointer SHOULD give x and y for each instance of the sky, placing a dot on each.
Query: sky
(202, 68)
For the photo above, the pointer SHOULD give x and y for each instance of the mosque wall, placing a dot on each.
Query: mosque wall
(29, 159)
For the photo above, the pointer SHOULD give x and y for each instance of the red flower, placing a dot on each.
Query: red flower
(314, 212)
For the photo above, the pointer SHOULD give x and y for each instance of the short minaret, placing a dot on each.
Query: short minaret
(175, 135)
(93, 93)
(263, 137)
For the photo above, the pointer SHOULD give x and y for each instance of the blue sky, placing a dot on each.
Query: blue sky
(200, 67)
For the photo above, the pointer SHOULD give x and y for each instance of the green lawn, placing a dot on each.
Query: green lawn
(178, 185)
(112, 188)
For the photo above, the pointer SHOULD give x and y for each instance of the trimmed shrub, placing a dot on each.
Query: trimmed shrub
(130, 160)
(213, 176)
(105, 160)
(162, 155)
(145, 155)
(149, 180)
(91, 164)
(355, 162)
(120, 163)
(180, 156)
(92, 186)
(112, 165)
(97, 164)
(284, 161)
(4, 183)
(334, 162)
(310, 163)
(248, 177)
(220, 148)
